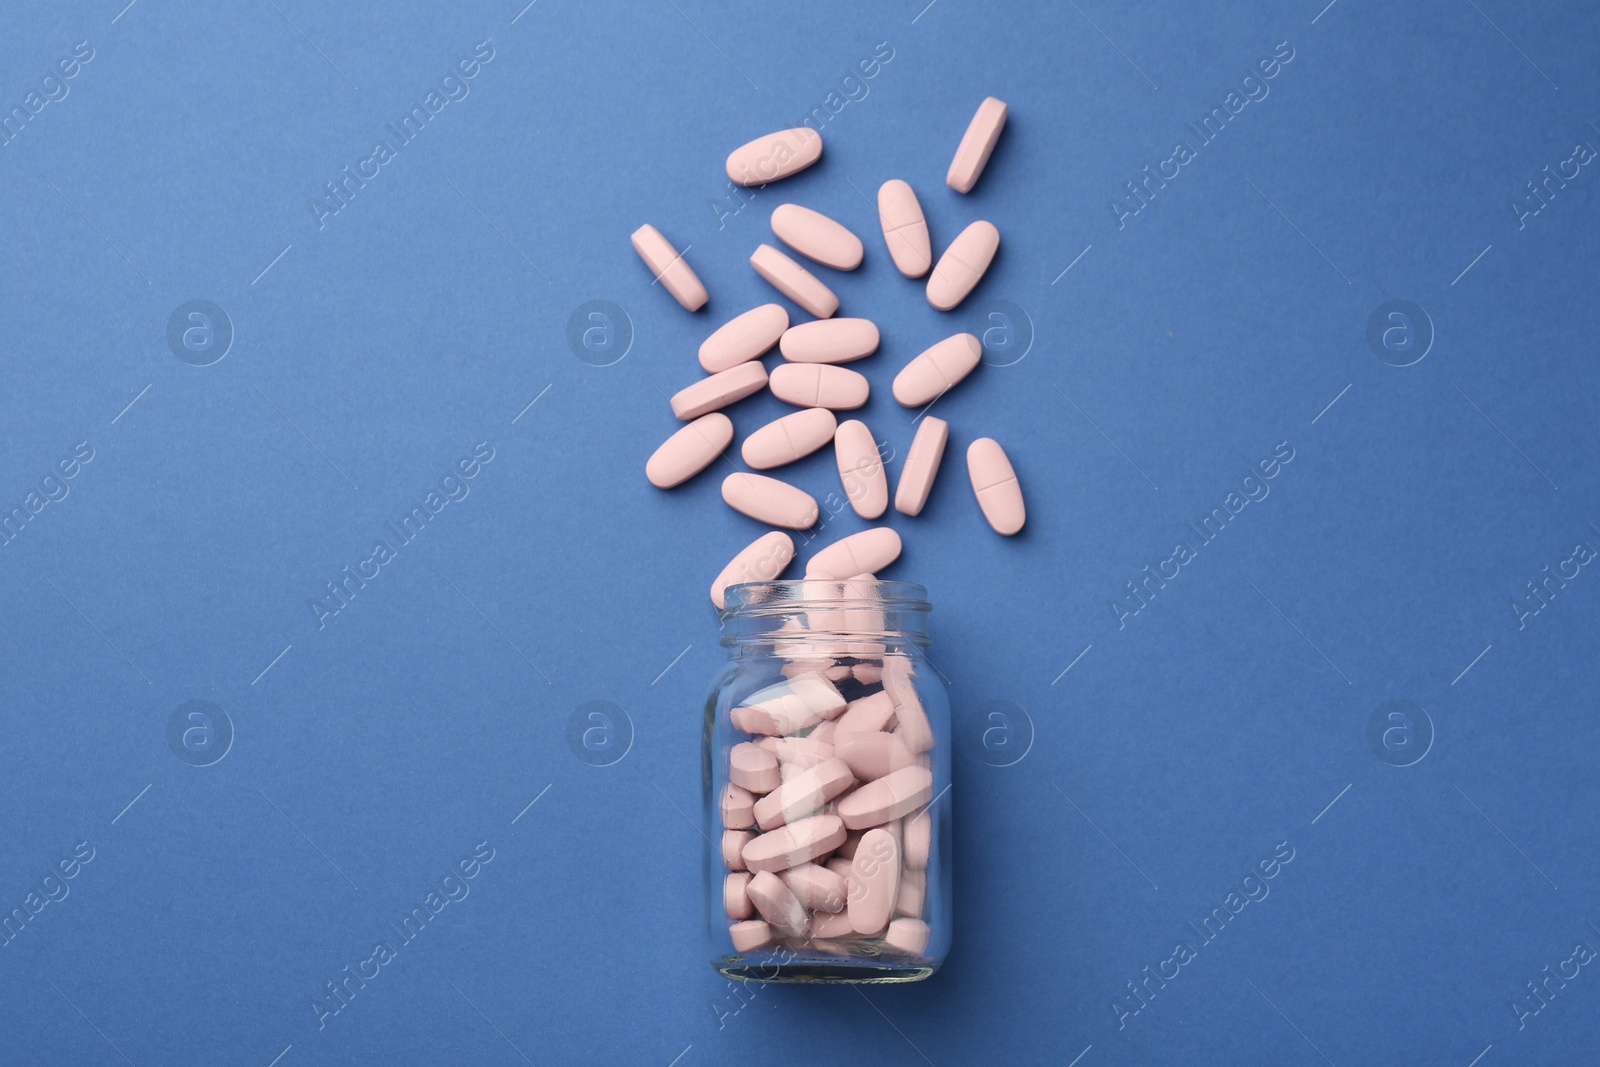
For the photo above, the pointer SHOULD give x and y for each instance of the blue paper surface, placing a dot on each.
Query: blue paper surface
(245, 348)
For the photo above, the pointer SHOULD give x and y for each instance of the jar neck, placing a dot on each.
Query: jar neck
(792, 616)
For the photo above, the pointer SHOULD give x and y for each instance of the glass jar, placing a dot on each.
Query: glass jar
(827, 764)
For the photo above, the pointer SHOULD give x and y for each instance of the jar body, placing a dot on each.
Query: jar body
(827, 772)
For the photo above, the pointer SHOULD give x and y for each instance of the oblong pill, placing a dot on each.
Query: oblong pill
(875, 803)
(913, 892)
(761, 560)
(795, 282)
(937, 369)
(911, 719)
(866, 485)
(750, 935)
(972, 155)
(743, 338)
(735, 898)
(794, 843)
(804, 794)
(769, 500)
(738, 808)
(861, 553)
(754, 768)
(908, 935)
(689, 451)
(918, 840)
(774, 156)
(874, 882)
(829, 341)
(816, 887)
(921, 466)
(791, 706)
(719, 390)
(817, 237)
(905, 229)
(870, 714)
(789, 438)
(669, 268)
(827, 924)
(871, 756)
(799, 752)
(777, 904)
(819, 385)
(961, 267)
(994, 481)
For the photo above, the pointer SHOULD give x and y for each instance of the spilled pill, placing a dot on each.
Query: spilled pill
(922, 464)
(669, 268)
(689, 451)
(743, 338)
(937, 369)
(769, 500)
(819, 385)
(962, 266)
(789, 438)
(994, 481)
(829, 341)
(774, 156)
(905, 229)
(861, 469)
(972, 155)
(760, 561)
(719, 390)
(860, 553)
(817, 237)
(799, 284)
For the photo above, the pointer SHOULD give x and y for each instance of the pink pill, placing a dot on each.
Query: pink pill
(750, 935)
(794, 843)
(976, 145)
(840, 863)
(799, 752)
(860, 553)
(918, 840)
(874, 882)
(874, 755)
(905, 229)
(818, 385)
(733, 842)
(913, 892)
(824, 733)
(754, 768)
(795, 282)
(738, 808)
(719, 390)
(908, 935)
(774, 156)
(866, 485)
(816, 887)
(791, 706)
(865, 715)
(769, 500)
(911, 720)
(669, 268)
(743, 338)
(829, 925)
(817, 237)
(922, 464)
(790, 438)
(803, 794)
(735, 897)
(995, 483)
(829, 341)
(777, 904)
(937, 369)
(689, 451)
(963, 264)
(760, 561)
(890, 797)
(867, 673)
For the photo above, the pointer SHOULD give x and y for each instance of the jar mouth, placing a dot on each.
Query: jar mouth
(757, 600)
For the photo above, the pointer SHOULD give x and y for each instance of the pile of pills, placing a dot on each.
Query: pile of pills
(826, 832)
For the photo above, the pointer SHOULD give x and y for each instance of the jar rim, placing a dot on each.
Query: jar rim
(751, 600)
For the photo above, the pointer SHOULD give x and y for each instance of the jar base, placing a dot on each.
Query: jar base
(827, 972)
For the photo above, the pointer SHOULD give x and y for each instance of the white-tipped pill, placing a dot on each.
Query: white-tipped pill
(875, 803)
(937, 369)
(754, 768)
(774, 156)
(760, 561)
(994, 481)
(921, 466)
(791, 706)
(963, 264)
(794, 843)
(817, 237)
(789, 438)
(689, 451)
(750, 935)
(829, 341)
(976, 144)
(769, 500)
(861, 469)
(735, 898)
(819, 385)
(743, 338)
(719, 390)
(669, 268)
(795, 282)
(905, 229)
(866, 552)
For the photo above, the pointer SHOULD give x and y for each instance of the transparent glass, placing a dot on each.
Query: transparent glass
(827, 772)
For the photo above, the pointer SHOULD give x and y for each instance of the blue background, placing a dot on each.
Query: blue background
(372, 352)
